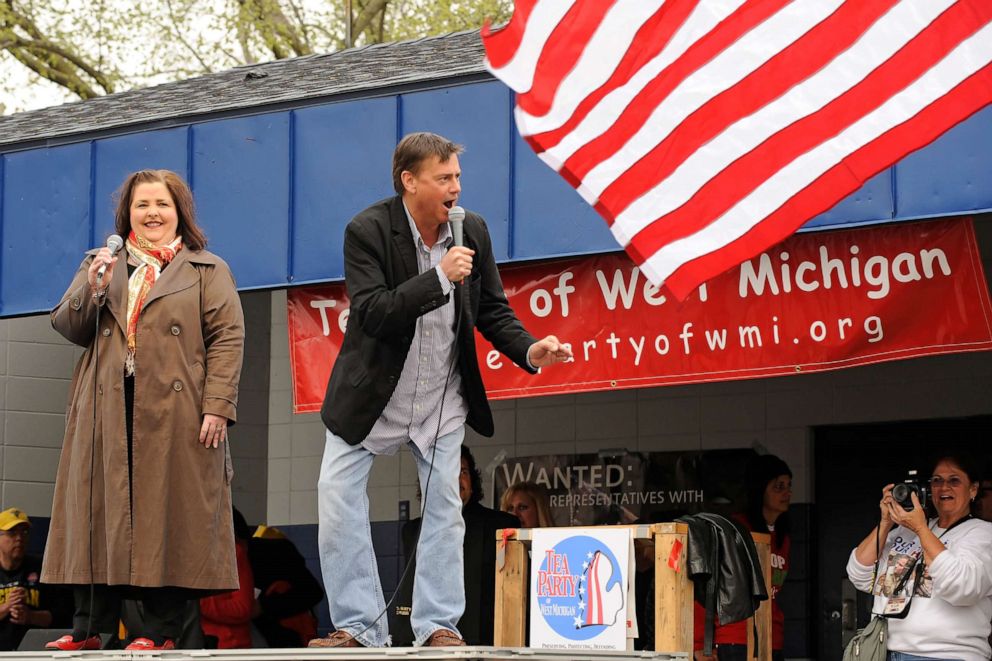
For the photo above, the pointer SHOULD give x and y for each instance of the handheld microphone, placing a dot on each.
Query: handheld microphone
(456, 216)
(114, 244)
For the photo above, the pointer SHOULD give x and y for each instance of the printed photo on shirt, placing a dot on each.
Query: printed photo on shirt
(895, 569)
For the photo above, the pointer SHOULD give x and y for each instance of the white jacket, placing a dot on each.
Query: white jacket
(953, 621)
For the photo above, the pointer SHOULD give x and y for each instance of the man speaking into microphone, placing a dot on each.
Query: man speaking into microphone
(407, 374)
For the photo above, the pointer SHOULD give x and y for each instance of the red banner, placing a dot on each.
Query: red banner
(817, 301)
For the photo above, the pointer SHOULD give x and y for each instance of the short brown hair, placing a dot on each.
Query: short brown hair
(193, 236)
(414, 149)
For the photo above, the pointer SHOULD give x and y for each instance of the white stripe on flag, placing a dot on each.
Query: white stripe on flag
(970, 56)
(721, 73)
(598, 62)
(518, 73)
(890, 33)
(702, 21)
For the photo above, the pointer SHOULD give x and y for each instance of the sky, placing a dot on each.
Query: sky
(30, 92)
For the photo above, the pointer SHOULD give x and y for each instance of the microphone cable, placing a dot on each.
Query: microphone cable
(97, 295)
(459, 289)
(114, 243)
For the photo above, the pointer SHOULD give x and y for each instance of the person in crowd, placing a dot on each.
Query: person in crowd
(983, 501)
(944, 607)
(768, 494)
(408, 374)
(529, 502)
(151, 400)
(983, 510)
(24, 602)
(287, 590)
(481, 525)
(226, 617)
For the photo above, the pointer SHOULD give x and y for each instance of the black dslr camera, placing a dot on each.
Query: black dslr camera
(912, 484)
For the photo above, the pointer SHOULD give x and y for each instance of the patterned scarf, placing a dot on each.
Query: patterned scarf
(151, 261)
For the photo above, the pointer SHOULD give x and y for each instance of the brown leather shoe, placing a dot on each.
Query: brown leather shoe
(336, 639)
(444, 638)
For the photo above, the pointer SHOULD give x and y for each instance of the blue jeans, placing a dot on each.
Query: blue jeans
(903, 656)
(347, 559)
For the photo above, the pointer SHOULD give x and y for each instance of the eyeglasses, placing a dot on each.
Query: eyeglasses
(15, 533)
(952, 482)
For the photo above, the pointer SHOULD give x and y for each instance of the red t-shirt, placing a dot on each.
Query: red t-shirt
(736, 633)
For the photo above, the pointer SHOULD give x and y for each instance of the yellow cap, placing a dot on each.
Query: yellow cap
(268, 532)
(13, 517)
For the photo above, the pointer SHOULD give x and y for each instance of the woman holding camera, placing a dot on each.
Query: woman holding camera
(938, 594)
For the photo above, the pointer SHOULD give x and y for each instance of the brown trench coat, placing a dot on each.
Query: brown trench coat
(177, 531)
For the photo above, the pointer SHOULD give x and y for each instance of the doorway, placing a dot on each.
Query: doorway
(851, 465)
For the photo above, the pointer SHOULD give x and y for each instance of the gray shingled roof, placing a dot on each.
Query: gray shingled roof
(351, 72)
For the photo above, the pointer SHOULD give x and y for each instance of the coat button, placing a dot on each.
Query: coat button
(175, 330)
(177, 386)
(106, 332)
(76, 303)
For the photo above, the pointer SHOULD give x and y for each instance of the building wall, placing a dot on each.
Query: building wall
(775, 414)
(277, 454)
(36, 365)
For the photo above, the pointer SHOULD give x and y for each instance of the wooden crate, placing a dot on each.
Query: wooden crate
(673, 615)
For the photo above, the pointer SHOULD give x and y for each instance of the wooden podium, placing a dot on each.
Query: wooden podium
(673, 589)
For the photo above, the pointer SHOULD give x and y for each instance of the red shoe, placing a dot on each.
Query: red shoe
(149, 644)
(67, 644)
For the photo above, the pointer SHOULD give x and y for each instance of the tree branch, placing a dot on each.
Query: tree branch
(178, 34)
(66, 79)
(367, 15)
(48, 59)
(278, 35)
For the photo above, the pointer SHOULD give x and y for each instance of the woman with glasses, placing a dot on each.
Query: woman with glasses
(941, 603)
(769, 494)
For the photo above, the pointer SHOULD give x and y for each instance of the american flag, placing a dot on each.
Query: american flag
(706, 131)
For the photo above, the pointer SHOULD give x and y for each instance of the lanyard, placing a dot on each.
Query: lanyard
(919, 566)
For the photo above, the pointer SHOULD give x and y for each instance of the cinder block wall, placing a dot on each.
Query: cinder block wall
(36, 365)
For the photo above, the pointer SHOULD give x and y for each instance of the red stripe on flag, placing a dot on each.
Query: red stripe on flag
(650, 40)
(791, 66)
(503, 44)
(700, 53)
(594, 573)
(560, 53)
(751, 170)
(844, 178)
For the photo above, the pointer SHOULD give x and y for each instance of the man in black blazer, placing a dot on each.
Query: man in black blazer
(408, 374)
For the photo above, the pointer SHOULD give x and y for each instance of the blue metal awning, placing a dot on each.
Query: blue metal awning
(275, 190)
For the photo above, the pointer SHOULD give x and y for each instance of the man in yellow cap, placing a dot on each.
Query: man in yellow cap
(24, 603)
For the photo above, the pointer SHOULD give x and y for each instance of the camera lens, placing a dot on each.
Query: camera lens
(901, 493)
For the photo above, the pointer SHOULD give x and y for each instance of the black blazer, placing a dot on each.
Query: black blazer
(387, 296)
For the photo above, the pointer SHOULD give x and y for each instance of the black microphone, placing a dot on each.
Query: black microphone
(456, 216)
(114, 244)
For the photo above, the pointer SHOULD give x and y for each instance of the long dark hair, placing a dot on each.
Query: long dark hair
(474, 475)
(193, 236)
(760, 472)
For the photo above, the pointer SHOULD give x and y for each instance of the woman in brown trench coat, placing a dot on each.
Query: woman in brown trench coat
(170, 342)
